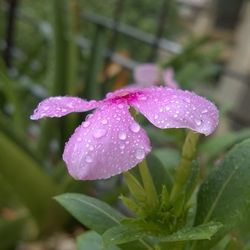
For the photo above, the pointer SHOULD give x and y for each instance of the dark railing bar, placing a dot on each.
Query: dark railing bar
(10, 31)
(162, 16)
(132, 32)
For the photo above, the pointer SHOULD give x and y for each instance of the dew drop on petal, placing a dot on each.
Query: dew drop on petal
(167, 108)
(134, 127)
(156, 117)
(204, 111)
(88, 159)
(45, 108)
(91, 148)
(99, 133)
(122, 135)
(79, 139)
(198, 122)
(142, 98)
(122, 146)
(86, 124)
(120, 106)
(104, 121)
(140, 154)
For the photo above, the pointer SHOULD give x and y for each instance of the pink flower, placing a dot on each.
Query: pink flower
(110, 141)
(149, 74)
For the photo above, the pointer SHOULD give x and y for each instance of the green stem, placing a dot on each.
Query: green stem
(183, 171)
(148, 184)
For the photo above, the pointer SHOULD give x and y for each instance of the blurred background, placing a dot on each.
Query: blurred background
(87, 48)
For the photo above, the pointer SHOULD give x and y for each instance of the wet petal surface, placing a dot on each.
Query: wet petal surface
(107, 143)
(174, 108)
(60, 106)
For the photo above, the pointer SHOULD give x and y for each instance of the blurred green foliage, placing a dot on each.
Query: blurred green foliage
(49, 59)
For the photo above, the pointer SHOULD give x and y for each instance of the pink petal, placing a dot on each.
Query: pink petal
(107, 143)
(60, 106)
(147, 74)
(168, 77)
(175, 108)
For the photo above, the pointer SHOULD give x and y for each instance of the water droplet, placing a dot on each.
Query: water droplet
(64, 110)
(156, 117)
(140, 154)
(104, 121)
(91, 148)
(79, 139)
(142, 98)
(88, 159)
(187, 100)
(120, 106)
(175, 115)
(122, 146)
(204, 111)
(161, 109)
(198, 122)
(167, 108)
(86, 124)
(45, 108)
(99, 133)
(135, 127)
(122, 136)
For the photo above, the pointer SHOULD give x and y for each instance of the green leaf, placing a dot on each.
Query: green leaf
(216, 145)
(160, 174)
(225, 194)
(204, 231)
(31, 185)
(92, 240)
(91, 212)
(135, 188)
(127, 233)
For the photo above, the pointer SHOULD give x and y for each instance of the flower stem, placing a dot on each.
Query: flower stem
(183, 170)
(148, 184)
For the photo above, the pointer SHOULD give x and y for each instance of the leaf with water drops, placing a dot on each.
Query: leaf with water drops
(107, 143)
(127, 233)
(175, 108)
(225, 194)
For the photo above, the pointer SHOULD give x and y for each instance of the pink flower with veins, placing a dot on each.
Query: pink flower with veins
(149, 74)
(110, 141)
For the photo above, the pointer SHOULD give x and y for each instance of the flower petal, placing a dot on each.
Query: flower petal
(175, 108)
(147, 74)
(60, 106)
(107, 143)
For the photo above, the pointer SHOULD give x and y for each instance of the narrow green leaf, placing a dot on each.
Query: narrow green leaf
(135, 188)
(92, 240)
(148, 184)
(91, 212)
(31, 185)
(132, 205)
(127, 233)
(225, 194)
